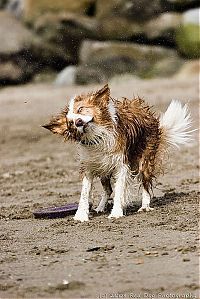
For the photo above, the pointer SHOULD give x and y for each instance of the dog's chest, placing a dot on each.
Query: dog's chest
(99, 162)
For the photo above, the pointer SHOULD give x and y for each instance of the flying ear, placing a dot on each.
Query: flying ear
(103, 94)
(58, 124)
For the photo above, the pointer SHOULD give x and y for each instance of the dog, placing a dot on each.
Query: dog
(121, 141)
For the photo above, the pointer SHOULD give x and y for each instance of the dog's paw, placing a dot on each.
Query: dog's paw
(116, 214)
(81, 216)
(145, 209)
(100, 209)
(97, 210)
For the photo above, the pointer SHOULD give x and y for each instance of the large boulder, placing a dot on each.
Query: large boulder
(166, 67)
(117, 28)
(3, 3)
(138, 10)
(22, 51)
(111, 58)
(187, 35)
(163, 27)
(10, 73)
(65, 31)
(36, 8)
(101, 61)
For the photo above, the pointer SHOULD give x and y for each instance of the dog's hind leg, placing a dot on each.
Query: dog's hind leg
(107, 191)
(145, 201)
(147, 174)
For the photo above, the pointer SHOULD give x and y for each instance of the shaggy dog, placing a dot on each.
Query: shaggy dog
(122, 140)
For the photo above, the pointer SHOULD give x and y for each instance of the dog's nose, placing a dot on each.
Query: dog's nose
(79, 122)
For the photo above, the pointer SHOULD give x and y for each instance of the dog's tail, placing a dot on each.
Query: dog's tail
(175, 125)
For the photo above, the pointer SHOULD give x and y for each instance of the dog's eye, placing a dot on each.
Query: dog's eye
(80, 109)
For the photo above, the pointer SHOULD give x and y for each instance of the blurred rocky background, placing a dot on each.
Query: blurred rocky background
(92, 41)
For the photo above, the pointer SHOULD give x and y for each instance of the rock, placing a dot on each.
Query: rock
(17, 37)
(181, 5)
(137, 10)
(160, 29)
(118, 28)
(65, 31)
(191, 16)
(3, 3)
(188, 41)
(36, 8)
(81, 75)
(163, 27)
(113, 58)
(165, 67)
(189, 69)
(187, 35)
(89, 75)
(22, 54)
(10, 73)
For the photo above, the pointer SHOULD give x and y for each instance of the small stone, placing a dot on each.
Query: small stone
(165, 253)
(138, 261)
(6, 175)
(186, 259)
(151, 253)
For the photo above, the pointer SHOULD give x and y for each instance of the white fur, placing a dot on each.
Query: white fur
(104, 199)
(71, 106)
(120, 189)
(83, 208)
(112, 111)
(99, 158)
(145, 202)
(177, 123)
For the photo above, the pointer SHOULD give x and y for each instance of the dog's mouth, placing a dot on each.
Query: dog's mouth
(83, 127)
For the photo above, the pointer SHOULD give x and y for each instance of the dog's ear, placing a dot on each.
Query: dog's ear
(58, 124)
(103, 94)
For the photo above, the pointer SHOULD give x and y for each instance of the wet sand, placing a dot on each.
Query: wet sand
(142, 255)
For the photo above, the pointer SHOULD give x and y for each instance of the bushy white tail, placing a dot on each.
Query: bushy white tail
(176, 123)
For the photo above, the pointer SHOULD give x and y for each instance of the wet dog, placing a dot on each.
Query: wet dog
(120, 140)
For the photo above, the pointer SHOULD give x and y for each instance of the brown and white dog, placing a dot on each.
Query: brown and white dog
(121, 140)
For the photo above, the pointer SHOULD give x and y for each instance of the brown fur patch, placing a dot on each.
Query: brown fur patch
(138, 138)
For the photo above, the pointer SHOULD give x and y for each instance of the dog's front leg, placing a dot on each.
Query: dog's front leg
(83, 207)
(120, 191)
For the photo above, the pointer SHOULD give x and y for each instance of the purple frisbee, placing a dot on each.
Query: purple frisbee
(56, 212)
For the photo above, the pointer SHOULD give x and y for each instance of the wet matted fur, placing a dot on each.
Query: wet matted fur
(121, 140)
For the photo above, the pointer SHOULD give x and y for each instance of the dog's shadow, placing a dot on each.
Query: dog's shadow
(134, 206)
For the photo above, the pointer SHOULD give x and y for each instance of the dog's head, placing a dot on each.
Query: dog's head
(86, 118)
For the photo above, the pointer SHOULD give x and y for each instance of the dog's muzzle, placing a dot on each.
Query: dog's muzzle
(79, 122)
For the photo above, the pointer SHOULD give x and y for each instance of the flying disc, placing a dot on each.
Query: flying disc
(56, 212)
